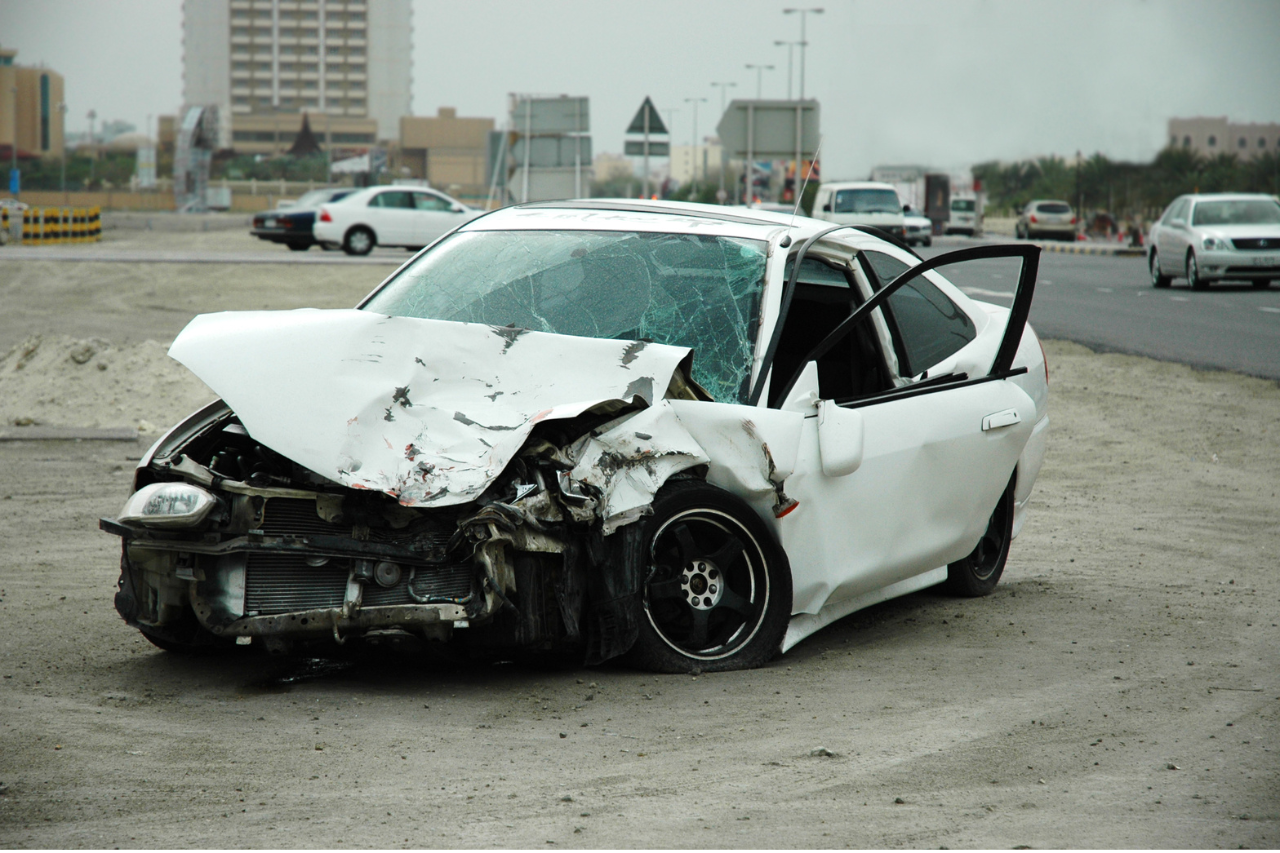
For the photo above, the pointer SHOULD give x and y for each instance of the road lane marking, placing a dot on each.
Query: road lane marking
(1104, 290)
(978, 291)
(1270, 310)
(1179, 298)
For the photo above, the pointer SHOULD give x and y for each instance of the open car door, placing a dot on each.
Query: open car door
(897, 482)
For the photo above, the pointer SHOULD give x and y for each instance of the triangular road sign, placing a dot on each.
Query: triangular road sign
(655, 123)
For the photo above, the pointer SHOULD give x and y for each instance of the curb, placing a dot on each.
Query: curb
(1113, 251)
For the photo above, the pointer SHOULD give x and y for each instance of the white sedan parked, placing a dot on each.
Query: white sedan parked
(411, 217)
(673, 433)
(1217, 236)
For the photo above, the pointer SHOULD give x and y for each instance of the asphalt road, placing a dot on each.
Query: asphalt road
(1108, 304)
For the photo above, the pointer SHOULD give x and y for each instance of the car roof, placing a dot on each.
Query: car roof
(1228, 196)
(857, 185)
(643, 215)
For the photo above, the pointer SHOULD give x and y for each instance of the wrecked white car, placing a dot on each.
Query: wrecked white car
(676, 433)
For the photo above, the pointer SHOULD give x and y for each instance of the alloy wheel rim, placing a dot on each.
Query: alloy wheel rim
(709, 584)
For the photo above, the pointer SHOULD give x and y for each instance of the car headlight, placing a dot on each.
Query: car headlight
(167, 505)
(1216, 244)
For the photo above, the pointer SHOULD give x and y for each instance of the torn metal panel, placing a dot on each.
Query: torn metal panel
(427, 411)
(629, 459)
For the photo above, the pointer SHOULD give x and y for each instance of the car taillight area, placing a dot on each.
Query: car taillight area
(324, 215)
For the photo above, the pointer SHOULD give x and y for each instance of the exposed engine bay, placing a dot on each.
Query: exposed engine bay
(286, 556)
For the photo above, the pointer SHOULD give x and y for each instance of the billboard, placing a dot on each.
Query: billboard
(550, 116)
(770, 129)
(553, 151)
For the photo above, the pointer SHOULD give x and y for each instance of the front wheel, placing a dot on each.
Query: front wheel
(1262, 283)
(978, 573)
(928, 241)
(359, 241)
(299, 247)
(1158, 279)
(1194, 278)
(718, 590)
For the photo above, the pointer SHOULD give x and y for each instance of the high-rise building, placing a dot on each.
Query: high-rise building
(345, 63)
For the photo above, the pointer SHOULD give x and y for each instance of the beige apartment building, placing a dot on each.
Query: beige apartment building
(448, 151)
(346, 64)
(31, 110)
(1210, 137)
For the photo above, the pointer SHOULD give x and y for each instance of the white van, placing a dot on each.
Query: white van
(966, 216)
(860, 203)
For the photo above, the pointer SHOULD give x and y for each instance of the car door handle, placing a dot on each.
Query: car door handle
(1008, 417)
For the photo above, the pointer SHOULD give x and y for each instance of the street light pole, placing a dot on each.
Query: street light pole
(693, 149)
(817, 10)
(62, 110)
(13, 145)
(790, 47)
(93, 149)
(759, 69)
(724, 160)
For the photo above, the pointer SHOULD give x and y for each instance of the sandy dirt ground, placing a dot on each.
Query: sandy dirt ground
(1120, 688)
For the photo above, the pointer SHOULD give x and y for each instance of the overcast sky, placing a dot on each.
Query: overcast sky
(943, 83)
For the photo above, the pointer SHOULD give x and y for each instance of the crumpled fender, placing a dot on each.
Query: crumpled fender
(427, 411)
(630, 458)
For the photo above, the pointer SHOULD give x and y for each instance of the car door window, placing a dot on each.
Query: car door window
(393, 198)
(430, 201)
(926, 325)
(823, 298)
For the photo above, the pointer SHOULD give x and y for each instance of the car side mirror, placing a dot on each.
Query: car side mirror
(457, 208)
(840, 439)
(827, 207)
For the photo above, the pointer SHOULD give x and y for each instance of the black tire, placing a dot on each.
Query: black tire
(978, 573)
(359, 241)
(1262, 283)
(299, 247)
(1197, 281)
(928, 241)
(1018, 233)
(718, 590)
(1158, 279)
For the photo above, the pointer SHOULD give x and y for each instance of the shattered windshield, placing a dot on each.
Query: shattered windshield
(692, 290)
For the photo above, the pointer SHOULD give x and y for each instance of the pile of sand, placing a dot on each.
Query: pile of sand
(55, 380)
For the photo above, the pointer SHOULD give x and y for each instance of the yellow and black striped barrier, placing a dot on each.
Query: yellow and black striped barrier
(51, 226)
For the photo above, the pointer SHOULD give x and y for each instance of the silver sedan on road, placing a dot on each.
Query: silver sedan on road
(1217, 236)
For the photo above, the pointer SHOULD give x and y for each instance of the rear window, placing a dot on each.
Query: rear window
(866, 201)
(1053, 207)
(963, 205)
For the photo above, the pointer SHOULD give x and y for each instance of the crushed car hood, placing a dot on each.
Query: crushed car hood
(427, 411)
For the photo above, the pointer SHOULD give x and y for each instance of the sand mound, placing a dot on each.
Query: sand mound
(55, 380)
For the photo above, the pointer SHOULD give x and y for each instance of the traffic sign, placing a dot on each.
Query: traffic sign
(655, 124)
(636, 148)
